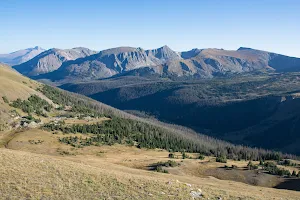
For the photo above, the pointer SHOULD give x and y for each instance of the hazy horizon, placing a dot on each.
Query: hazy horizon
(182, 25)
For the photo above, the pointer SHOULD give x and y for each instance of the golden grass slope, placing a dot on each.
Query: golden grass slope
(13, 85)
(110, 172)
(31, 176)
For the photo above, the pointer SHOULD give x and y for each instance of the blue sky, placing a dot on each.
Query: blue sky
(272, 25)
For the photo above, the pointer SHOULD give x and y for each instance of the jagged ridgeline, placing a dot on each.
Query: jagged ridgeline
(124, 128)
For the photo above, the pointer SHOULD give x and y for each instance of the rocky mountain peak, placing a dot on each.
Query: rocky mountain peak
(38, 48)
(163, 53)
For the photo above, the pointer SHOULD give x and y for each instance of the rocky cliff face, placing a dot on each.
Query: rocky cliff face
(51, 60)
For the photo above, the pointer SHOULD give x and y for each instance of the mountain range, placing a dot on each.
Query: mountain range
(83, 64)
(20, 56)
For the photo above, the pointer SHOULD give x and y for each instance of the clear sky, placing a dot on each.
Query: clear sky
(272, 25)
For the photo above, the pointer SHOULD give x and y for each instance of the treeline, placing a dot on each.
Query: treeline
(143, 135)
(34, 104)
(125, 131)
(125, 128)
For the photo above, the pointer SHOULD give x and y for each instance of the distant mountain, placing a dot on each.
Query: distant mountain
(112, 62)
(212, 62)
(164, 62)
(163, 54)
(51, 60)
(20, 56)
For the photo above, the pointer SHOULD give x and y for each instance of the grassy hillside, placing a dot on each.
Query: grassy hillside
(13, 86)
(47, 177)
(57, 178)
(43, 142)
